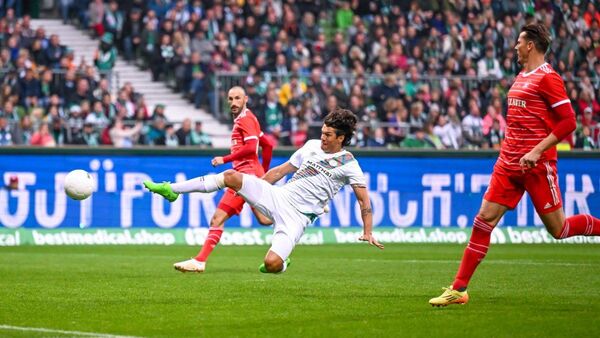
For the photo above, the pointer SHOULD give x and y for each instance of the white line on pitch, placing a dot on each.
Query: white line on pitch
(72, 333)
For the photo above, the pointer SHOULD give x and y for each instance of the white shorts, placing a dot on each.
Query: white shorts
(288, 223)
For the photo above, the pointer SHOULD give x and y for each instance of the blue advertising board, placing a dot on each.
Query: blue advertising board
(405, 192)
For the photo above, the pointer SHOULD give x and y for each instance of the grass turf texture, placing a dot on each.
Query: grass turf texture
(333, 290)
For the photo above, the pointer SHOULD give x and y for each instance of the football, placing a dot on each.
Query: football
(79, 184)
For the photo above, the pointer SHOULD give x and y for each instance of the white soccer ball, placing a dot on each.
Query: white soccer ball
(79, 184)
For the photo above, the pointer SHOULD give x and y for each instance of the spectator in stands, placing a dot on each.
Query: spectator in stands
(122, 135)
(378, 139)
(42, 137)
(113, 20)
(492, 117)
(132, 34)
(12, 113)
(76, 121)
(54, 52)
(22, 132)
(199, 137)
(273, 112)
(106, 55)
(168, 138)
(89, 136)
(162, 59)
(6, 137)
(58, 131)
(194, 80)
(495, 136)
(291, 90)
(96, 17)
(30, 88)
(473, 127)
(184, 134)
(585, 139)
(98, 118)
(417, 140)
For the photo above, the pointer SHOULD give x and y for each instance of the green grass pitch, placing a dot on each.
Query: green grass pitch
(329, 291)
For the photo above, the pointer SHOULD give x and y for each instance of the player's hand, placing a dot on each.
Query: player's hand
(529, 160)
(369, 238)
(218, 160)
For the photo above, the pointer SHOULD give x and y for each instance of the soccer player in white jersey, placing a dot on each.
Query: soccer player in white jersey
(321, 168)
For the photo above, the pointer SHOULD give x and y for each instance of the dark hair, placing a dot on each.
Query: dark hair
(538, 34)
(344, 123)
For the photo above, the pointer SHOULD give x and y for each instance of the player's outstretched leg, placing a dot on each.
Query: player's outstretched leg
(190, 265)
(171, 191)
(164, 189)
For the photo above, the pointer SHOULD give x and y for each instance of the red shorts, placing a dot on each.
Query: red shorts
(233, 203)
(541, 183)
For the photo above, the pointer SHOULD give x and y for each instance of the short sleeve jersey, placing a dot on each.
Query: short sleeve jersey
(245, 128)
(530, 118)
(320, 176)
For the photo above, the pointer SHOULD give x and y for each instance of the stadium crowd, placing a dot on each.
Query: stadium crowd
(419, 74)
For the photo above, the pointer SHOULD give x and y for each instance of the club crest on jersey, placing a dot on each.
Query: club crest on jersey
(338, 161)
(516, 102)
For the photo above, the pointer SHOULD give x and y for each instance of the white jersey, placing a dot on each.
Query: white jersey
(320, 176)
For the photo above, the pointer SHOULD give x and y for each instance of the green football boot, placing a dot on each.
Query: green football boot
(163, 189)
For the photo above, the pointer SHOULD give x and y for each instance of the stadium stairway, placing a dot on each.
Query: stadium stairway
(154, 93)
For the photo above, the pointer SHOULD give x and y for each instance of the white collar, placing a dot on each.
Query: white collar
(535, 70)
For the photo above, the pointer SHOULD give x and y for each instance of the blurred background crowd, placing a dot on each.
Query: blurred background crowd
(431, 74)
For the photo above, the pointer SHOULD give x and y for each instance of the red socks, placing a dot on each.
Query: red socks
(579, 225)
(213, 238)
(474, 253)
(584, 225)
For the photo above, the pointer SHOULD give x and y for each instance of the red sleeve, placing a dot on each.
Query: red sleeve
(552, 90)
(267, 151)
(566, 124)
(250, 131)
(247, 149)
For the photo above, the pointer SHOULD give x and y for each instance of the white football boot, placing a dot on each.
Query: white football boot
(191, 265)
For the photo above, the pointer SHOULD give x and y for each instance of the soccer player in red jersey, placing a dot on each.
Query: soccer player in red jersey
(246, 137)
(539, 116)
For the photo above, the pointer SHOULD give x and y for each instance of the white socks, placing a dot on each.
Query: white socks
(208, 183)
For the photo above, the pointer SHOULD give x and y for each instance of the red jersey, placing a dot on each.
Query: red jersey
(530, 118)
(246, 128)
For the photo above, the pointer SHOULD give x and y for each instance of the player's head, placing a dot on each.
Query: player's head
(237, 99)
(338, 128)
(534, 39)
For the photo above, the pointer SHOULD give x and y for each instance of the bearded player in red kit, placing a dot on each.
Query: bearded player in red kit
(539, 116)
(246, 137)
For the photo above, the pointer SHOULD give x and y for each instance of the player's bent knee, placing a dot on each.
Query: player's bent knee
(233, 179)
(555, 234)
(273, 263)
(488, 217)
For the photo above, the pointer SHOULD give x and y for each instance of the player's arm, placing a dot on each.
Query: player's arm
(279, 172)
(267, 151)
(362, 195)
(247, 149)
(552, 89)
